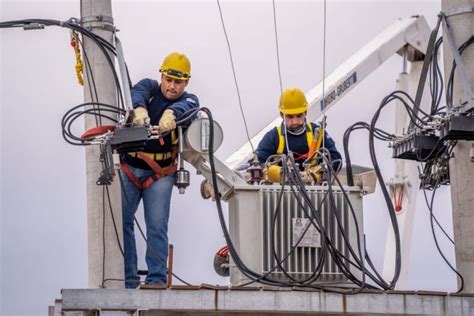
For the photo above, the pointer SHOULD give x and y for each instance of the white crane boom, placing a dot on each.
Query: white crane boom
(413, 32)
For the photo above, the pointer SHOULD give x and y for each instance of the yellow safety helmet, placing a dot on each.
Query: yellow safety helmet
(177, 66)
(293, 101)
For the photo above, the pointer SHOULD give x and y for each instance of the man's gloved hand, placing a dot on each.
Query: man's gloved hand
(273, 173)
(141, 117)
(167, 122)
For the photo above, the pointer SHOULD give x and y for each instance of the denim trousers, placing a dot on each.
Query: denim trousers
(156, 204)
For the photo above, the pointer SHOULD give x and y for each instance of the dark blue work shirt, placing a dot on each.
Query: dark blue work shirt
(147, 93)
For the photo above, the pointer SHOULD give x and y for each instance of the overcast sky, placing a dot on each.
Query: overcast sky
(43, 199)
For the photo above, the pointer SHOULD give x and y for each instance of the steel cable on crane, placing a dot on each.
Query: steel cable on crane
(235, 76)
(275, 28)
(323, 128)
(276, 45)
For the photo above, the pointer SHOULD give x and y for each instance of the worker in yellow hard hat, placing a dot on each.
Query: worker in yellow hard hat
(149, 175)
(304, 138)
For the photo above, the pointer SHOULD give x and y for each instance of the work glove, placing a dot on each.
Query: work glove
(273, 173)
(141, 117)
(167, 122)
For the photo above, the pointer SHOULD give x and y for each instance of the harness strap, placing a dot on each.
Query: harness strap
(130, 175)
(159, 171)
(281, 139)
(316, 144)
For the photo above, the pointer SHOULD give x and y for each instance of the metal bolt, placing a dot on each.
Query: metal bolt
(471, 153)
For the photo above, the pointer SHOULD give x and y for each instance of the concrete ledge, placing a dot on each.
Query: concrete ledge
(265, 301)
(124, 299)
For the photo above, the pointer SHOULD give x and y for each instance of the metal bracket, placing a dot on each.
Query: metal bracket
(471, 153)
(461, 10)
(98, 18)
(457, 58)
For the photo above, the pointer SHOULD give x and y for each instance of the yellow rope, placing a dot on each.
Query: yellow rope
(77, 51)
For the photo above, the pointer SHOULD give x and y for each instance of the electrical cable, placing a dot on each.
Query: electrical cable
(96, 110)
(415, 119)
(98, 120)
(252, 275)
(450, 84)
(90, 81)
(430, 208)
(390, 209)
(437, 151)
(71, 24)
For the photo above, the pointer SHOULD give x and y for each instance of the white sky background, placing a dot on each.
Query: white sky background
(43, 199)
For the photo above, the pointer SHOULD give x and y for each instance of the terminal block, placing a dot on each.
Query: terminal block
(419, 147)
(458, 127)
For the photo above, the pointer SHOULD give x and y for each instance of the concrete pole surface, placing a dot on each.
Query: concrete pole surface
(105, 257)
(461, 168)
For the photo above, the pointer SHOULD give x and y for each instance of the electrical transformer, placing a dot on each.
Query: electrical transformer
(269, 226)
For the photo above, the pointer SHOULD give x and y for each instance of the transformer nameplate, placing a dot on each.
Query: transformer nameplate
(311, 238)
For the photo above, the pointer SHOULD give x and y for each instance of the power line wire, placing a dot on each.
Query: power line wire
(235, 76)
(279, 74)
(322, 128)
(276, 45)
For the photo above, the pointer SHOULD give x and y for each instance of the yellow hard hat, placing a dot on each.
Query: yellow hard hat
(293, 101)
(177, 66)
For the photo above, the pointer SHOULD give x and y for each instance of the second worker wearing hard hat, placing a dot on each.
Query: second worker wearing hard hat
(149, 175)
(302, 136)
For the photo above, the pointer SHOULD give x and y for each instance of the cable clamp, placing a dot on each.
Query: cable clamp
(100, 21)
(71, 20)
(33, 26)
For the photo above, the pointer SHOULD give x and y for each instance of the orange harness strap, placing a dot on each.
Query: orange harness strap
(157, 169)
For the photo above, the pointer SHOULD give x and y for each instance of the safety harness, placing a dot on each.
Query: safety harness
(314, 143)
(150, 159)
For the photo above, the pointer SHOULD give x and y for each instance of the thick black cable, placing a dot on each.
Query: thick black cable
(430, 208)
(252, 275)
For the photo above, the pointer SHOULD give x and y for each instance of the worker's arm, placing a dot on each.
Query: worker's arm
(186, 102)
(336, 157)
(143, 91)
(268, 146)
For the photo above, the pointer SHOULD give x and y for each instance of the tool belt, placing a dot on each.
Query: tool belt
(150, 159)
(152, 156)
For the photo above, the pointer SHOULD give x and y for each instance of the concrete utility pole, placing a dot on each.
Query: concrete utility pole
(461, 19)
(105, 257)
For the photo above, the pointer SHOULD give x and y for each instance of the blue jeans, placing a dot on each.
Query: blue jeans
(156, 203)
